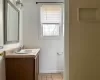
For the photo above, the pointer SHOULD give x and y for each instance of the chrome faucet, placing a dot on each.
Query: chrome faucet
(18, 49)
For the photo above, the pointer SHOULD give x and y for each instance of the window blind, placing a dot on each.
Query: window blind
(51, 13)
(51, 19)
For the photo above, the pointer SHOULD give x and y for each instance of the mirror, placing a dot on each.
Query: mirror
(11, 28)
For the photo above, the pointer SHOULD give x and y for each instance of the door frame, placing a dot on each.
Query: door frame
(66, 40)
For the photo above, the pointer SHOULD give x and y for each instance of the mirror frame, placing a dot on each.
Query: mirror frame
(6, 2)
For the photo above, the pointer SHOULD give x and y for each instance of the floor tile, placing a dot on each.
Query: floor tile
(51, 76)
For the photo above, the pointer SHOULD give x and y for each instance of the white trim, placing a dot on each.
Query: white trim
(66, 41)
(51, 71)
(40, 28)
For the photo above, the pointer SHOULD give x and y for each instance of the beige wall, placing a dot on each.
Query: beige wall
(82, 45)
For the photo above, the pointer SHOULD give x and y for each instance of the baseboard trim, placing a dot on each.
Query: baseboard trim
(51, 71)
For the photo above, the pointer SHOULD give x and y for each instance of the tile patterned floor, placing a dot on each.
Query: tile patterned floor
(52, 76)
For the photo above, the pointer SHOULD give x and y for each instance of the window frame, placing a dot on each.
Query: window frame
(53, 35)
(60, 27)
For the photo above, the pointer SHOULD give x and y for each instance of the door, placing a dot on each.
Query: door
(84, 39)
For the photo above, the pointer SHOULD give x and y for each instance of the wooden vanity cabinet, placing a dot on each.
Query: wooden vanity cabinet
(25, 68)
(36, 67)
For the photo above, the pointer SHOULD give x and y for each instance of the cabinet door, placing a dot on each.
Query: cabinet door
(19, 68)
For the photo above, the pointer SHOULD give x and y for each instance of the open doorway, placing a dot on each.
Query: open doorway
(52, 35)
(46, 30)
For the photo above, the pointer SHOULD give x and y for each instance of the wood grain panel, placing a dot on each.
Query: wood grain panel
(84, 42)
(22, 68)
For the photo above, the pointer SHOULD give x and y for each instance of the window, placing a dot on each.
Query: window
(51, 17)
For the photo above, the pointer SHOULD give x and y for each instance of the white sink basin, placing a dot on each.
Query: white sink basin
(25, 51)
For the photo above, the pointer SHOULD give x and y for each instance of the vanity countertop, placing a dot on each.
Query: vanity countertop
(26, 55)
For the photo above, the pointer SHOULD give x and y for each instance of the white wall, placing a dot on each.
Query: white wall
(1, 22)
(49, 60)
